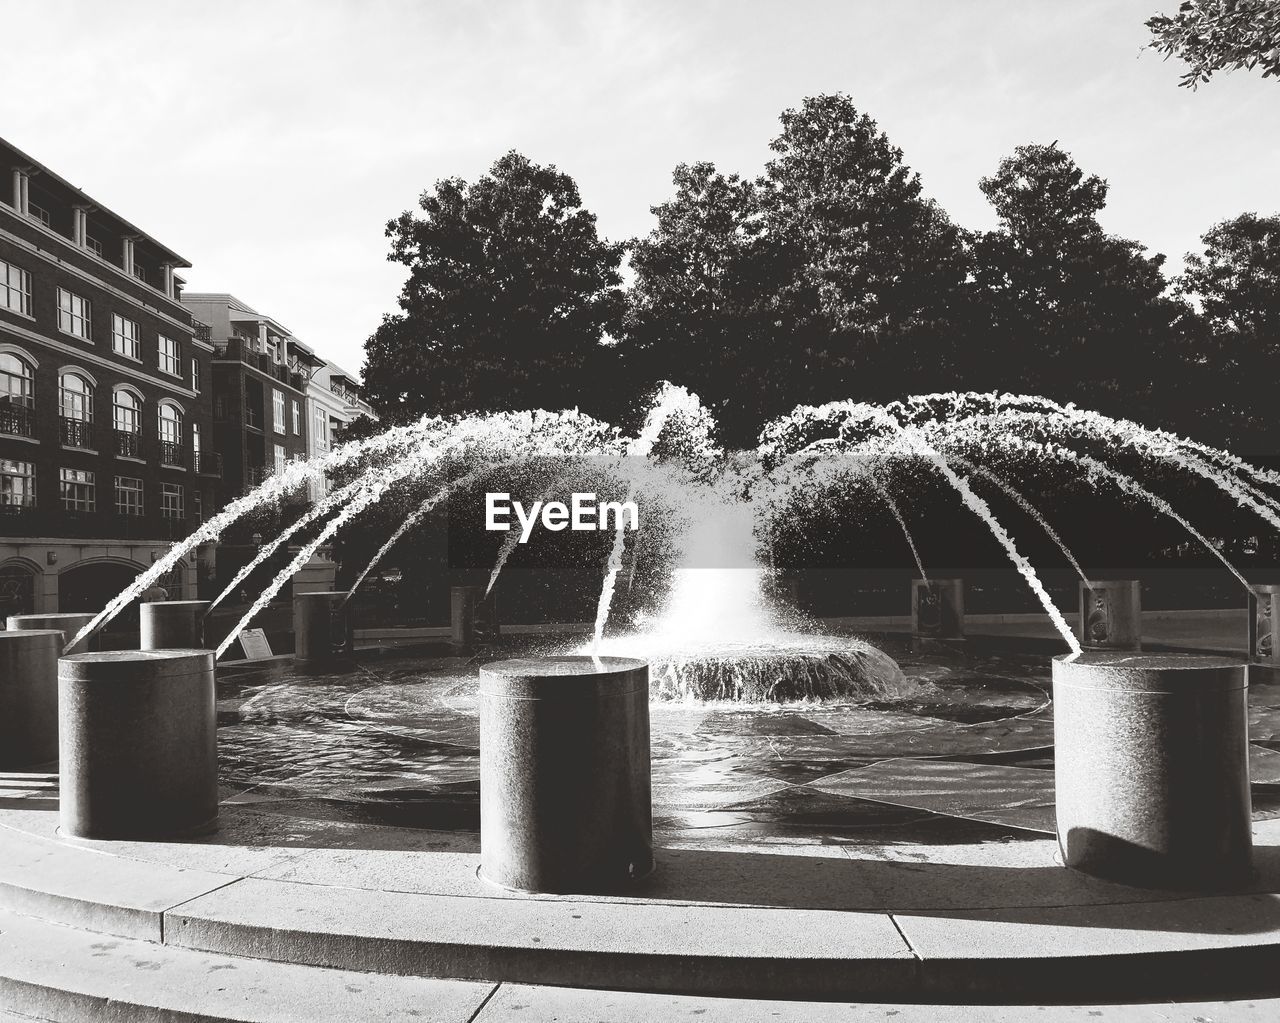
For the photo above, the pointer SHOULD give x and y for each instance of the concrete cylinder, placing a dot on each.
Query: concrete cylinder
(138, 744)
(173, 624)
(1151, 768)
(70, 624)
(321, 628)
(29, 696)
(463, 601)
(564, 774)
(1111, 614)
(937, 608)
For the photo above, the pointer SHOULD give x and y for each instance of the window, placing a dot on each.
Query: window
(37, 213)
(127, 411)
(124, 337)
(17, 381)
(75, 405)
(128, 495)
(197, 508)
(279, 458)
(126, 417)
(277, 410)
(170, 424)
(79, 493)
(73, 314)
(320, 429)
(297, 419)
(170, 361)
(93, 245)
(17, 395)
(17, 484)
(171, 500)
(15, 288)
(75, 397)
(195, 375)
(140, 271)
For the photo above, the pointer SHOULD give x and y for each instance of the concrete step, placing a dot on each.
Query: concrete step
(59, 973)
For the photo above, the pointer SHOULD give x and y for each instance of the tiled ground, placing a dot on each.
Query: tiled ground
(968, 759)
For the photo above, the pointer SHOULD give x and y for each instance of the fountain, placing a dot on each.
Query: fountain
(714, 634)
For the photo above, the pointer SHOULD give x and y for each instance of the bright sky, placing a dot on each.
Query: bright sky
(269, 142)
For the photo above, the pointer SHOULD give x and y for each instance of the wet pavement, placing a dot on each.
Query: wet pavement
(966, 758)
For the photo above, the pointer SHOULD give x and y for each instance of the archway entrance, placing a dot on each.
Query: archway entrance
(86, 589)
(17, 590)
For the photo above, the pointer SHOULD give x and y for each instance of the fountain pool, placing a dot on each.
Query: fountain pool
(964, 757)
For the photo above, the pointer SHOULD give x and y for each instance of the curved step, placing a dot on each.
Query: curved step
(1129, 949)
(52, 972)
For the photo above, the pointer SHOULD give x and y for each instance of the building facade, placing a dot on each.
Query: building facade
(259, 382)
(333, 400)
(106, 404)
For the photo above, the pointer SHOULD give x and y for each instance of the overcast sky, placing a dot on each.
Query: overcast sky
(269, 142)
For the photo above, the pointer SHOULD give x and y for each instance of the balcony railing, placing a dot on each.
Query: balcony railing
(78, 433)
(207, 463)
(171, 453)
(18, 420)
(129, 443)
(252, 417)
(241, 349)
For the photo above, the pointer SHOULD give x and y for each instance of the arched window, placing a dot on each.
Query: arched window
(17, 395)
(75, 397)
(170, 423)
(127, 411)
(126, 417)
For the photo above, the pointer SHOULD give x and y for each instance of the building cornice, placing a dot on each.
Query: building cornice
(71, 268)
(86, 355)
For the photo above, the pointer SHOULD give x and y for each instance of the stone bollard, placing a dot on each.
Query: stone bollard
(1264, 625)
(472, 616)
(173, 624)
(138, 744)
(70, 624)
(1111, 614)
(29, 696)
(937, 608)
(564, 774)
(321, 629)
(1151, 768)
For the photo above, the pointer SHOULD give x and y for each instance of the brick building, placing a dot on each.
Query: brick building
(106, 406)
(260, 374)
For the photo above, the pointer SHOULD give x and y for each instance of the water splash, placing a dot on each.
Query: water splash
(888, 499)
(612, 567)
(1021, 501)
(276, 487)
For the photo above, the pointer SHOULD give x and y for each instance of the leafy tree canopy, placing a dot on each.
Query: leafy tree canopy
(1237, 278)
(1064, 307)
(822, 278)
(509, 296)
(1220, 35)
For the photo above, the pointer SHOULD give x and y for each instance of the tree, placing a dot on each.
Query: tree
(509, 297)
(1220, 35)
(1237, 279)
(829, 276)
(868, 258)
(1236, 283)
(694, 310)
(1063, 307)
